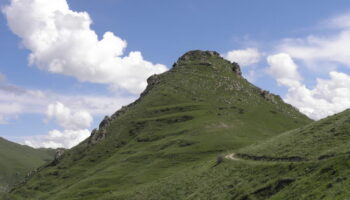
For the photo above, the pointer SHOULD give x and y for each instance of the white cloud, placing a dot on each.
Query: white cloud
(61, 41)
(73, 122)
(325, 53)
(315, 50)
(16, 100)
(58, 139)
(68, 119)
(244, 57)
(9, 110)
(328, 97)
(340, 21)
(284, 70)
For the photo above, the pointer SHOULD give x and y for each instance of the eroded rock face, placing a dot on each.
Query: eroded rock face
(198, 55)
(58, 156)
(59, 153)
(236, 68)
(268, 96)
(105, 122)
(97, 135)
(203, 58)
(153, 80)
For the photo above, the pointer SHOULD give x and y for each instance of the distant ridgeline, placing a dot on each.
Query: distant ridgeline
(16, 161)
(165, 145)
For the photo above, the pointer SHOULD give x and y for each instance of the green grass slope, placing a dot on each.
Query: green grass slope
(320, 140)
(187, 116)
(312, 162)
(16, 161)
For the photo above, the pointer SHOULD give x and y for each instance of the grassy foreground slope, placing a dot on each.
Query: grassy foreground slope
(312, 162)
(17, 160)
(187, 116)
(320, 140)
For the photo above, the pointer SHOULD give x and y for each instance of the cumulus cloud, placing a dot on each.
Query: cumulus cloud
(74, 120)
(324, 53)
(317, 49)
(337, 22)
(58, 139)
(9, 110)
(329, 96)
(313, 50)
(283, 68)
(67, 118)
(244, 57)
(62, 41)
(74, 123)
(30, 101)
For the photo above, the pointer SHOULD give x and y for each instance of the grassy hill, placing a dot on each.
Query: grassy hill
(164, 145)
(17, 160)
(320, 140)
(312, 162)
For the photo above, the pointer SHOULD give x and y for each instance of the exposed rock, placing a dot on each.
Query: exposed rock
(121, 111)
(198, 55)
(58, 156)
(59, 153)
(203, 57)
(236, 68)
(268, 96)
(105, 122)
(97, 135)
(100, 134)
(151, 82)
(174, 65)
(154, 79)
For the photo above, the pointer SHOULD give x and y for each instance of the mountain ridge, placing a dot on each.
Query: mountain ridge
(16, 161)
(200, 108)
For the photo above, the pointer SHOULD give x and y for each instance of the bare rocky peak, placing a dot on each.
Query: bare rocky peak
(203, 57)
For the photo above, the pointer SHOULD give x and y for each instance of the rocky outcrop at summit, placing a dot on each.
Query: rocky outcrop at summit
(203, 57)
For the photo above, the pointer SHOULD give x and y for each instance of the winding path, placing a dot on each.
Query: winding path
(231, 156)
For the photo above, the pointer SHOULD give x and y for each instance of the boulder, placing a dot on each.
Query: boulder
(236, 68)
(268, 96)
(105, 122)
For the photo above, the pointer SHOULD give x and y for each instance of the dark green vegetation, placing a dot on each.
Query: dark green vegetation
(16, 161)
(312, 162)
(165, 145)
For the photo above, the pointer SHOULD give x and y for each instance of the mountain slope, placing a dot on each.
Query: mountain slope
(312, 162)
(17, 160)
(320, 140)
(187, 116)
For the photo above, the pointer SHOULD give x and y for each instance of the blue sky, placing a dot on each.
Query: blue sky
(285, 47)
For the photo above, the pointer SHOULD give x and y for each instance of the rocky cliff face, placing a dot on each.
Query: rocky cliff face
(203, 57)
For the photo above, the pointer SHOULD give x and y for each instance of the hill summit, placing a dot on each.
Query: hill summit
(203, 57)
(199, 109)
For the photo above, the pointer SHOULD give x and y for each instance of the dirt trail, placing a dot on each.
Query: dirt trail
(231, 156)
